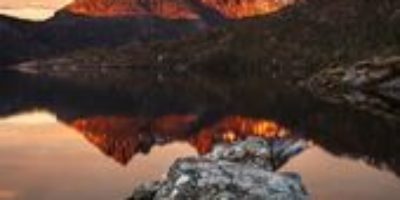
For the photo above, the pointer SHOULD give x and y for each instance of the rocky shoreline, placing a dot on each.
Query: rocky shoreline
(242, 170)
(289, 46)
(372, 85)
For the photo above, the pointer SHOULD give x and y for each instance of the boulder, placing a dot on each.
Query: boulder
(239, 171)
(268, 154)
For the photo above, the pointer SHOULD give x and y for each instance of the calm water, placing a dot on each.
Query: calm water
(62, 140)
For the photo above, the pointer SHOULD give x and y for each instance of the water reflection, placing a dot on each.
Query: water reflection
(330, 177)
(49, 160)
(123, 137)
(126, 121)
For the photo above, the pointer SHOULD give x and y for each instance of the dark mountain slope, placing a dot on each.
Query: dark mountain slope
(104, 23)
(13, 40)
(292, 44)
(68, 32)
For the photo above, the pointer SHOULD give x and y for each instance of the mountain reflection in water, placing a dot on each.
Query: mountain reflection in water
(126, 121)
(123, 137)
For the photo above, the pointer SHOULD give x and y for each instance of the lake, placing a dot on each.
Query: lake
(62, 139)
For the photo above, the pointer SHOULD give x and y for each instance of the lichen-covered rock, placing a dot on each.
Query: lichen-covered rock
(202, 178)
(239, 171)
(268, 154)
(146, 190)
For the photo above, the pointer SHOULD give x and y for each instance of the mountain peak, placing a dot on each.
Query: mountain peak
(175, 9)
(170, 9)
(236, 9)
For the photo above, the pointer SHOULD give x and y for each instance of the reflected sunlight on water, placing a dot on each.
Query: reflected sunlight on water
(330, 178)
(45, 159)
(53, 161)
(4, 194)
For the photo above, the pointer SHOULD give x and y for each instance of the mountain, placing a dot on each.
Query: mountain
(290, 44)
(110, 23)
(168, 9)
(176, 9)
(286, 47)
(68, 32)
(246, 8)
(13, 40)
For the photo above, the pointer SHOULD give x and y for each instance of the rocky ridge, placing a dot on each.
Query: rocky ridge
(176, 9)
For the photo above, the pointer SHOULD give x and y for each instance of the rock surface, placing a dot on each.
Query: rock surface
(239, 171)
(269, 155)
(372, 85)
(375, 73)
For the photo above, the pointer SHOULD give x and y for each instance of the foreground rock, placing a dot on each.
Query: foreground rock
(240, 171)
(256, 152)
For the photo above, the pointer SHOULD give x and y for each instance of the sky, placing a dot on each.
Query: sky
(31, 9)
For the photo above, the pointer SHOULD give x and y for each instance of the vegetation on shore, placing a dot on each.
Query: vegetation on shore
(291, 44)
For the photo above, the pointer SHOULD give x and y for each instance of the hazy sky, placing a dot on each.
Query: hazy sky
(31, 9)
(48, 4)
